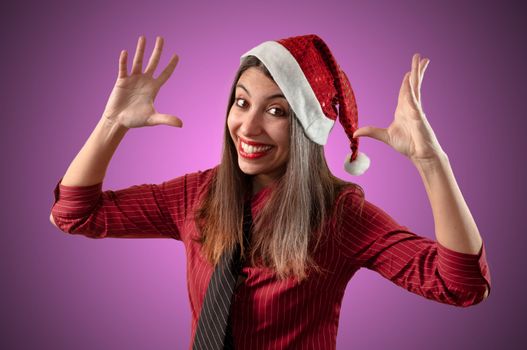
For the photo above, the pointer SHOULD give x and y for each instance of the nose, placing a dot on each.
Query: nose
(251, 124)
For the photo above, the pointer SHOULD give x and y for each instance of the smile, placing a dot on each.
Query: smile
(253, 150)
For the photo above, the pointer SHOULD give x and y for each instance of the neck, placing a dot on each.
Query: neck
(257, 187)
(259, 183)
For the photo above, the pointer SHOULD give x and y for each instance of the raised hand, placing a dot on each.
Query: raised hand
(410, 133)
(131, 102)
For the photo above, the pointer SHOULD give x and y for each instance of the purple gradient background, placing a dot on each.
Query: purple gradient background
(60, 63)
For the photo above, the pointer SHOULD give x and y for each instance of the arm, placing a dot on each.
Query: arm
(90, 165)
(139, 211)
(455, 227)
(130, 106)
(369, 237)
(411, 135)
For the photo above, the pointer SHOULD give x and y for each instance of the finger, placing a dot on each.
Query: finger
(425, 63)
(123, 70)
(418, 79)
(422, 66)
(167, 72)
(164, 119)
(414, 76)
(138, 58)
(154, 59)
(404, 87)
(373, 132)
(413, 98)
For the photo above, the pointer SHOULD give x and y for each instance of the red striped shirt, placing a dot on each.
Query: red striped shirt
(268, 313)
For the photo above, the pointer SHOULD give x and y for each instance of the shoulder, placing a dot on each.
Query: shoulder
(192, 184)
(197, 177)
(360, 223)
(350, 199)
(354, 209)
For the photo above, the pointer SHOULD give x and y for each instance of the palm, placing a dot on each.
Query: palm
(409, 133)
(131, 102)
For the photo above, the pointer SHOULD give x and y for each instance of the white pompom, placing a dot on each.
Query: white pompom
(358, 166)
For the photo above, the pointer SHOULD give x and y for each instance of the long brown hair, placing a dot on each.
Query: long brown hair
(298, 207)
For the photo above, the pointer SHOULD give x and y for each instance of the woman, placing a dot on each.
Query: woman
(311, 231)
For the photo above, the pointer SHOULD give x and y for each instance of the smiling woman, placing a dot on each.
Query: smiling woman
(277, 281)
(267, 148)
(259, 126)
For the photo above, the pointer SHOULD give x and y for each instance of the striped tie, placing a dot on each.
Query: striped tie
(214, 326)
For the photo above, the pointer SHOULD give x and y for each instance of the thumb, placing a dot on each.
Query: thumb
(373, 132)
(164, 119)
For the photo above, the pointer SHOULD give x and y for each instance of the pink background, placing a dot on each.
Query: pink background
(59, 65)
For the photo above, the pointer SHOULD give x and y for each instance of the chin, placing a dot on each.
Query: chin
(248, 169)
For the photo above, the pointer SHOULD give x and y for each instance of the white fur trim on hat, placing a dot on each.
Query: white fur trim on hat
(359, 165)
(290, 78)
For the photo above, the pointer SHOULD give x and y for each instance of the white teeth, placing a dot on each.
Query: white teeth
(253, 149)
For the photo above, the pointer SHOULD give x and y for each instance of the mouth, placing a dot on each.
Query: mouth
(252, 150)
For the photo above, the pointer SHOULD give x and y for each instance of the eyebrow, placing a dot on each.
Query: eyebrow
(268, 98)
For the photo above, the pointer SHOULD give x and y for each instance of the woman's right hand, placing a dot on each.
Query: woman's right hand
(131, 102)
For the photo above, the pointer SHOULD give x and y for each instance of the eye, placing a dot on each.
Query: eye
(279, 111)
(240, 102)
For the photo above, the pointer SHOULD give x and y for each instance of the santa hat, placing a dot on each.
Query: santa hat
(313, 83)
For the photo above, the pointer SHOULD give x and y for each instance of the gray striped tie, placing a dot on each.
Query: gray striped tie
(214, 329)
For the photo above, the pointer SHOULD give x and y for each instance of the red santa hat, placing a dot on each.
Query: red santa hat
(313, 83)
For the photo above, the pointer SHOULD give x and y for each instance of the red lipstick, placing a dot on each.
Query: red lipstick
(252, 143)
(254, 155)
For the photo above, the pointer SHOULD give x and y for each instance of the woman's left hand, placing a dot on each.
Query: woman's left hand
(410, 133)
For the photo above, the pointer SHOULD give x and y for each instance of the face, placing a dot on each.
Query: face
(259, 124)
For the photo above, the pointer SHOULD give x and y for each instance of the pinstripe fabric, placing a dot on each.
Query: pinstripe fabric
(268, 313)
(213, 332)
